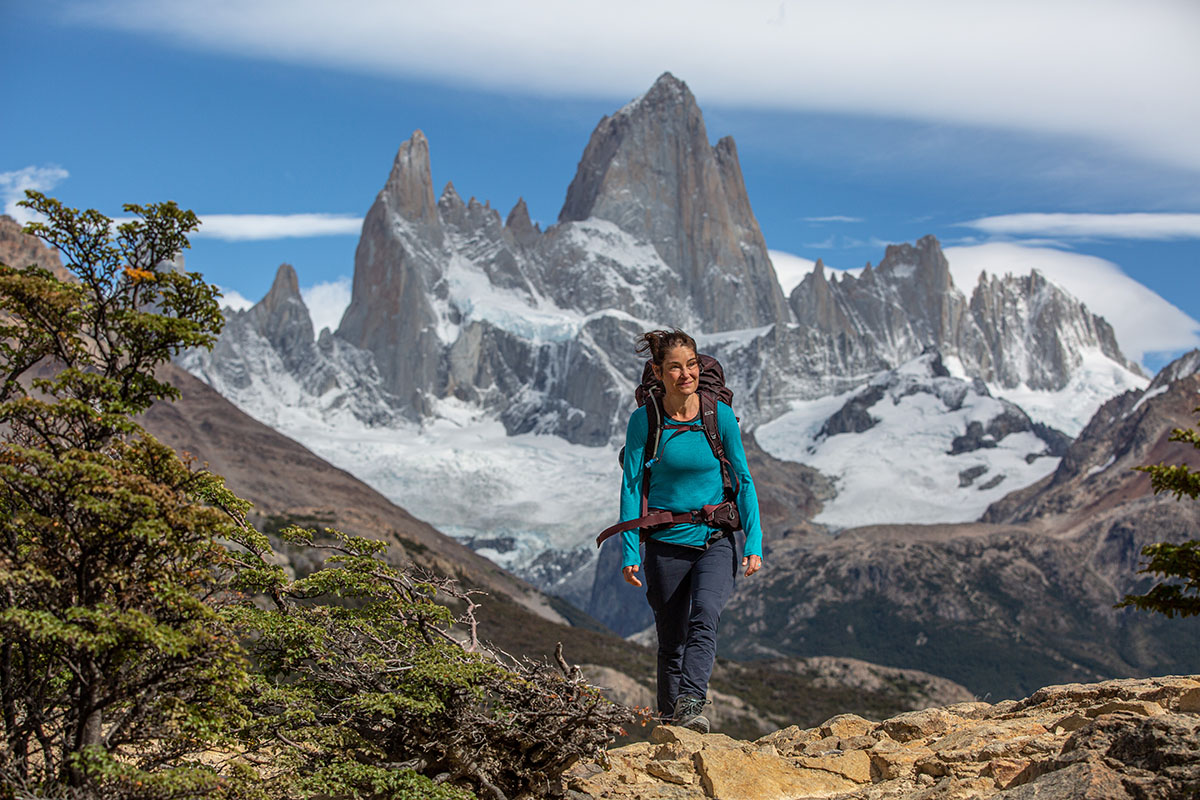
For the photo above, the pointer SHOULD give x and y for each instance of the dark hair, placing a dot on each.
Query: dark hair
(657, 343)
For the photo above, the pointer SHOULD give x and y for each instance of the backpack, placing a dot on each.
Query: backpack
(649, 394)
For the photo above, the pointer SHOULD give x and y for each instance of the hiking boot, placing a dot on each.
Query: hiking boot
(687, 714)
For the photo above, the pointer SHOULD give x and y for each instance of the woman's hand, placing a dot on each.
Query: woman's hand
(752, 564)
(630, 575)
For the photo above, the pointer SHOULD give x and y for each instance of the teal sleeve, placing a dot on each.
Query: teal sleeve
(747, 498)
(631, 484)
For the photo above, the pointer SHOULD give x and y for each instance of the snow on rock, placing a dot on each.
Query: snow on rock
(1095, 381)
(914, 446)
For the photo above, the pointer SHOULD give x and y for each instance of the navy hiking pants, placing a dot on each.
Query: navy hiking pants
(687, 588)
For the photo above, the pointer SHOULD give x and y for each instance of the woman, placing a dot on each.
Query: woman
(689, 567)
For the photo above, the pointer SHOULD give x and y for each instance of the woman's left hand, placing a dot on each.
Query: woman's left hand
(752, 564)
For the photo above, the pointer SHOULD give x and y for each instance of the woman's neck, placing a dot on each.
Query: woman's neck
(681, 407)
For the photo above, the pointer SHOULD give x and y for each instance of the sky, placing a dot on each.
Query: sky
(1056, 134)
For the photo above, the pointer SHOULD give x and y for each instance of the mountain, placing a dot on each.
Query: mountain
(1016, 333)
(20, 250)
(461, 320)
(1019, 600)
(287, 484)
(649, 170)
(482, 377)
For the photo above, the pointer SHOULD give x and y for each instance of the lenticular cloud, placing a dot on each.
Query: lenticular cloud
(253, 227)
(1097, 226)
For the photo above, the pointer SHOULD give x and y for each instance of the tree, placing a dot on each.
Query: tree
(362, 682)
(151, 644)
(1178, 565)
(115, 657)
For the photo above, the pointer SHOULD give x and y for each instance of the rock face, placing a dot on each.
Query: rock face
(269, 349)
(650, 170)
(1014, 331)
(18, 250)
(1116, 740)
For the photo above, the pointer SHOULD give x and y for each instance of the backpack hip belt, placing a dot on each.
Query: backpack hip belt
(723, 516)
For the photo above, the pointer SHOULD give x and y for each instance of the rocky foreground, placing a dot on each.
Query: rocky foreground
(1132, 739)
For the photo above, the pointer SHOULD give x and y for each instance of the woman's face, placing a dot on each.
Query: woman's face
(680, 371)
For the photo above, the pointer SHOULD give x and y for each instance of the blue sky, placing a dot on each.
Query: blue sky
(1064, 129)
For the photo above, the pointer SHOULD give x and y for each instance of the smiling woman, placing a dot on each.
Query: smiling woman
(701, 486)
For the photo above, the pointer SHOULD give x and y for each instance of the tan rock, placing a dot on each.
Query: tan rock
(891, 761)
(819, 747)
(971, 710)
(1189, 702)
(855, 765)
(864, 742)
(737, 775)
(956, 789)
(1087, 780)
(1003, 770)
(672, 751)
(790, 740)
(681, 772)
(1143, 707)
(919, 724)
(999, 738)
(846, 726)
(1070, 723)
(672, 734)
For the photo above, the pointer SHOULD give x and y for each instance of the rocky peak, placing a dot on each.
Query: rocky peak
(923, 262)
(1098, 469)
(1027, 314)
(409, 188)
(451, 207)
(282, 318)
(650, 170)
(520, 226)
(396, 268)
(1185, 366)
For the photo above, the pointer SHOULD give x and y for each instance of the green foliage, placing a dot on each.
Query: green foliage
(359, 662)
(115, 656)
(152, 645)
(1178, 565)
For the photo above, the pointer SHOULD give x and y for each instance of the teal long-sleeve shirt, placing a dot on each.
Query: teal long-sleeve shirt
(685, 477)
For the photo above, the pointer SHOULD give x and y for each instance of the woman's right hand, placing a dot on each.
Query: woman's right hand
(630, 574)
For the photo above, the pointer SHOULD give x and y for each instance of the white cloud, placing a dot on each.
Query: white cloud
(249, 227)
(1143, 321)
(1099, 226)
(834, 218)
(232, 298)
(327, 302)
(1106, 70)
(14, 184)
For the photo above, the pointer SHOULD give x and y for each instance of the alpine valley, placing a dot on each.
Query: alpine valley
(915, 515)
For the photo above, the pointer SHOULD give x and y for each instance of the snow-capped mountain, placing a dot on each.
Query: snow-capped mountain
(484, 370)
(915, 445)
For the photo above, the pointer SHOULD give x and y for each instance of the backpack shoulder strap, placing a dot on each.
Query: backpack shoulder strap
(654, 426)
(708, 419)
